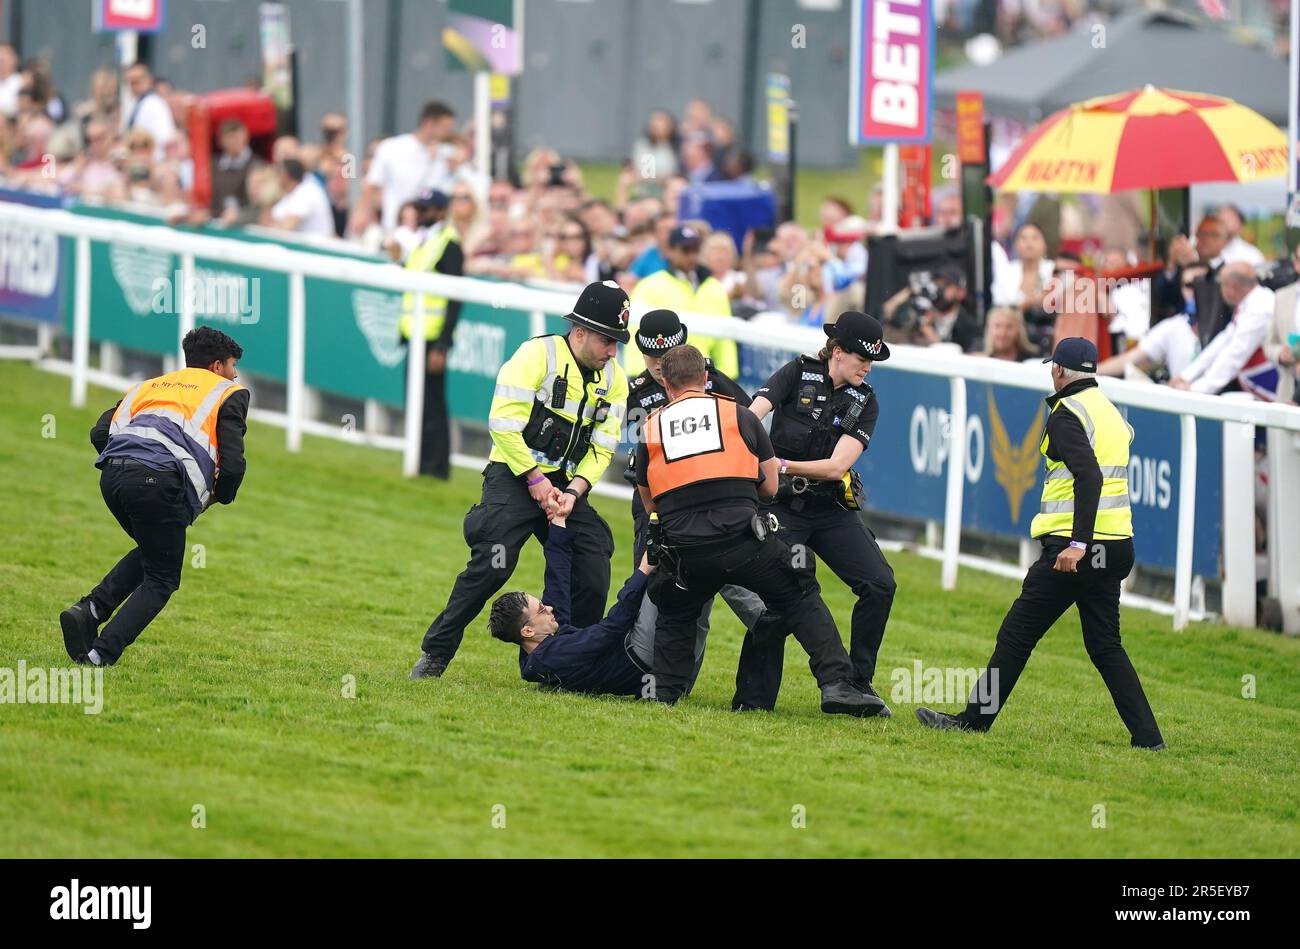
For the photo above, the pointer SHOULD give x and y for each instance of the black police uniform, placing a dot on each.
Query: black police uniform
(809, 415)
(709, 540)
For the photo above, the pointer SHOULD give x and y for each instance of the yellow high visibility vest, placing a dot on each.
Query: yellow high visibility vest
(1110, 436)
(174, 415)
(423, 260)
(665, 290)
(529, 429)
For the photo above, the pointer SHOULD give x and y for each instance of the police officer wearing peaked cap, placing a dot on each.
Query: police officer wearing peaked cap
(823, 416)
(1085, 525)
(658, 332)
(555, 422)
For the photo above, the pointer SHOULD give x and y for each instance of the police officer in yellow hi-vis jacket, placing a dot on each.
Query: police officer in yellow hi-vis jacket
(686, 287)
(1085, 525)
(171, 447)
(556, 419)
(440, 253)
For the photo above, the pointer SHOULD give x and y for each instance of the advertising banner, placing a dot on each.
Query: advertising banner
(31, 265)
(891, 73)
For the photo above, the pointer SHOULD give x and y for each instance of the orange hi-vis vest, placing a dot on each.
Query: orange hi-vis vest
(172, 420)
(695, 440)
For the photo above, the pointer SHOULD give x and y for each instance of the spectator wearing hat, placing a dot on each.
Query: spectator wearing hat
(1085, 526)
(556, 420)
(688, 287)
(658, 332)
(440, 252)
(823, 416)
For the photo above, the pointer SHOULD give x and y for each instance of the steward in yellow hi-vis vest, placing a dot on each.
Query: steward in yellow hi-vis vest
(556, 420)
(440, 253)
(686, 287)
(1086, 530)
(171, 447)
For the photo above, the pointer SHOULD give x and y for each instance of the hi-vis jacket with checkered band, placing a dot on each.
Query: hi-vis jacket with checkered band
(172, 420)
(544, 415)
(1110, 435)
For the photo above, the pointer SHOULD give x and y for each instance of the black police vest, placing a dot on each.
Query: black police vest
(808, 425)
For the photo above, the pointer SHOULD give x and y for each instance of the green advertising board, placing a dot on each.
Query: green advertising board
(353, 347)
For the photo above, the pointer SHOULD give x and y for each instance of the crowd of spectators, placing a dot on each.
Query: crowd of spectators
(1209, 321)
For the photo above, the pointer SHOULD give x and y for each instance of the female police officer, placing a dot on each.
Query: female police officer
(823, 418)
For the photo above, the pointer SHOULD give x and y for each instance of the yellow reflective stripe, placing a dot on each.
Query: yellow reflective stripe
(1107, 471)
(1084, 417)
(517, 393)
(1104, 503)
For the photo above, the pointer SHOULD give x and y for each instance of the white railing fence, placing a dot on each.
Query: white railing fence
(1241, 417)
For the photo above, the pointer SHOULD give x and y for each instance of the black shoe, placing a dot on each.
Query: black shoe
(867, 688)
(746, 707)
(940, 720)
(841, 698)
(429, 667)
(79, 629)
(1158, 746)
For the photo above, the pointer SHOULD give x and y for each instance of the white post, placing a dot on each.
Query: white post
(1239, 520)
(483, 129)
(110, 358)
(889, 190)
(1186, 523)
(81, 324)
(356, 53)
(416, 357)
(1283, 516)
(956, 482)
(188, 292)
(295, 393)
(45, 338)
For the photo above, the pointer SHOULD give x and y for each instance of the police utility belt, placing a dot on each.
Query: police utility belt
(734, 551)
(553, 435)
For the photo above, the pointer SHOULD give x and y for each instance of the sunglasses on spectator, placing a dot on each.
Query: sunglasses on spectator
(571, 236)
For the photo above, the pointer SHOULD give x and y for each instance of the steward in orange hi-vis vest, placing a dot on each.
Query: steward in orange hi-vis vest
(173, 419)
(697, 455)
(171, 447)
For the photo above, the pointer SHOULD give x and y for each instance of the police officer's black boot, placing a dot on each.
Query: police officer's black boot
(841, 698)
(870, 690)
(940, 720)
(429, 667)
(79, 629)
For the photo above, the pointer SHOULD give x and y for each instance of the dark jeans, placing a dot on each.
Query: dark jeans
(743, 561)
(496, 529)
(845, 545)
(1047, 594)
(435, 437)
(151, 507)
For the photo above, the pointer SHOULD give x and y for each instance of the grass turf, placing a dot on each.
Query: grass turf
(330, 565)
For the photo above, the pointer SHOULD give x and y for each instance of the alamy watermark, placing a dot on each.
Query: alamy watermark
(222, 296)
(25, 685)
(945, 685)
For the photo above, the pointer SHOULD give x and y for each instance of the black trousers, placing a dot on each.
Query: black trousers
(821, 528)
(435, 435)
(496, 529)
(1044, 597)
(152, 508)
(755, 565)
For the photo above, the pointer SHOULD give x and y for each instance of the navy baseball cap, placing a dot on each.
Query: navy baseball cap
(1075, 353)
(432, 201)
(684, 236)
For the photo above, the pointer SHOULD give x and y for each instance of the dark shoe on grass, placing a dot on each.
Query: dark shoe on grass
(940, 720)
(842, 698)
(79, 630)
(429, 667)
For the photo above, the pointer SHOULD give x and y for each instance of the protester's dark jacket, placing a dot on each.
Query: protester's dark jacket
(594, 659)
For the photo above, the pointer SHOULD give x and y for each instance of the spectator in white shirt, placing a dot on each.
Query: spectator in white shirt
(1237, 248)
(406, 165)
(305, 208)
(1022, 282)
(11, 80)
(150, 111)
(1228, 353)
(1172, 343)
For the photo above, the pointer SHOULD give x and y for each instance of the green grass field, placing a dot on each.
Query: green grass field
(331, 565)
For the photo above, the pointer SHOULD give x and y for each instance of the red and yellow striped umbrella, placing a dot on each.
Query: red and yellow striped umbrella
(1147, 138)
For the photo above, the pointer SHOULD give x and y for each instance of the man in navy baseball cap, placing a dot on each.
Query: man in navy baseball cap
(1075, 352)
